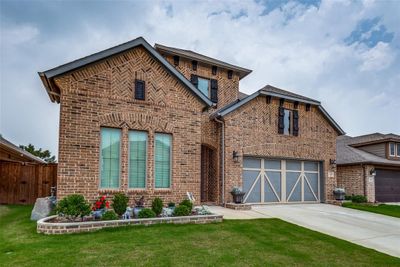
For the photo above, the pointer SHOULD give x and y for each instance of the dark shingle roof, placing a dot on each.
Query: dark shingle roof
(54, 92)
(24, 155)
(272, 89)
(202, 58)
(346, 154)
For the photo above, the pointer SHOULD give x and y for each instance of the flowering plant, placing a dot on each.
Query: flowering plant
(101, 203)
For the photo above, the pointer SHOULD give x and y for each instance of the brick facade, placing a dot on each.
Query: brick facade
(356, 180)
(101, 95)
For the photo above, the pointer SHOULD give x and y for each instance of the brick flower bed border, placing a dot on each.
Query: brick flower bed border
(50, 228)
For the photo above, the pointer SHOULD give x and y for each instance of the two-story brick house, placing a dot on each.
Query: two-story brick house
(369, 165)
(162, 121)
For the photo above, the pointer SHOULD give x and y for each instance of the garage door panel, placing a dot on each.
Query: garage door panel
(263, 180)
(387, 185)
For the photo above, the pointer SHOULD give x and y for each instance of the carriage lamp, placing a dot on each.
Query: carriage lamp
(332, 162)
(372, 172)
(235, 156)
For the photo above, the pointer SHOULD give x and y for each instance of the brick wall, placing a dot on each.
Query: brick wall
(102, 95)
(253, 130)
(352, 178)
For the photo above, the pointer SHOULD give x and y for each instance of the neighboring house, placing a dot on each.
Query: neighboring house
(162, 121)
(370, 165)
(12, 153)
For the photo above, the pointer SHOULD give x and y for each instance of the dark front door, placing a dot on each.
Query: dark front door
(387, 185)
(209, 181)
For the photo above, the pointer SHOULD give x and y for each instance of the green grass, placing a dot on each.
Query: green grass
(390, 210)
(260, 242)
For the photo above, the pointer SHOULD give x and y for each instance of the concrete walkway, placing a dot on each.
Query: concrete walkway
(367, 229)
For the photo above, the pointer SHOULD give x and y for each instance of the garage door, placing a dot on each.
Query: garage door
(274, 181)
(387, 186)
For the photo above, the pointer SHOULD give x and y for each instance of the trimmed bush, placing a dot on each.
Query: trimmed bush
(359, 199)
(120, 203)
(146, 213)
(187, 203)
(72, 207)
(157, 206)
(182, 210)
(347, 197)
(171, 205)
(109, 215)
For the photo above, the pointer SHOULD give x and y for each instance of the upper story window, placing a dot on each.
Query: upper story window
(394, 149)
(288, 122)
(208, 87)
(204, 86)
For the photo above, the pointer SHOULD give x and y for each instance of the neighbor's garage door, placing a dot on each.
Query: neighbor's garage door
(273, 181)
(387, 186)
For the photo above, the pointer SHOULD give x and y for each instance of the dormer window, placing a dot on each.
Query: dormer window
(394, 150)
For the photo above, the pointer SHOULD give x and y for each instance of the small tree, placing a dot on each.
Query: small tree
(72, 207)
(120, 203)
(43, 154)
(157, 205)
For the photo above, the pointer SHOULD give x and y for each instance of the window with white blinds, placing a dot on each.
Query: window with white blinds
(162, 160)
(137, 159)
(110, 157)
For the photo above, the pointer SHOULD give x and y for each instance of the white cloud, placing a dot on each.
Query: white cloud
(18, 34)
(377, 58)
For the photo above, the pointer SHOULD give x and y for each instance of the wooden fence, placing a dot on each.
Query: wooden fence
(22, 184)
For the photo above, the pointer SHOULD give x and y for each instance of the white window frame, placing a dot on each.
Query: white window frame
(120, 158)
(208, 87)
(146, 163)
(394, 150)
(290, 130)
(170, 162)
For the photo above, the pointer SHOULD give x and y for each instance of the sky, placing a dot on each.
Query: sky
(342, 53)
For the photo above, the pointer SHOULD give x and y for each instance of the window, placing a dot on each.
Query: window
(288, 122)
(392, 149)
(137, 159)
(109, 157)
(203, 85)
(139, 90)
(162, 161)
(398, 149)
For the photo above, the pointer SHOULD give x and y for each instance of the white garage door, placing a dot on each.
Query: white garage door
(274, 180)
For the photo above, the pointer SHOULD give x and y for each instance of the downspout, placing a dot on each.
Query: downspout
(222, 158)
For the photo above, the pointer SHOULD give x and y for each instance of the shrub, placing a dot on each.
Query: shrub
(347, 197)
(72, 207)
(182, 210)
(171, 205)
(359, 199)
(120, 203)
(187, 203)
(109, 215)
(146, 213)
(157, 205)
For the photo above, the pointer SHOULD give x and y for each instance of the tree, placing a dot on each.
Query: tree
(43, 154)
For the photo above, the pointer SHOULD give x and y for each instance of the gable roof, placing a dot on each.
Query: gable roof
(269, 90)
(346, 154)
(374, 138)
(54, 93)
(202, 58)
(18, 152)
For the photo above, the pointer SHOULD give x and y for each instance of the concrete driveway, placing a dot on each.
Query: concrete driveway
(367, 229)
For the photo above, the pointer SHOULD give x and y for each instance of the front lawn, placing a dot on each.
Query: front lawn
(260, 242)
(390, 210)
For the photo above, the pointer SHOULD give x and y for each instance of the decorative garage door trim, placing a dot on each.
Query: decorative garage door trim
(280, 181)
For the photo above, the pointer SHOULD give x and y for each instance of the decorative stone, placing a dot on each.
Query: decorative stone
(42, 208)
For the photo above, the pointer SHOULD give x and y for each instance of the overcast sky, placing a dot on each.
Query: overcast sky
(343, 53)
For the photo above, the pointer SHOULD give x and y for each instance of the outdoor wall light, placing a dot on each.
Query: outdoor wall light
(235, 156)
(372, 172)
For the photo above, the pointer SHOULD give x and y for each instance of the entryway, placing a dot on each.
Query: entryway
(209, 181)
(280, 181)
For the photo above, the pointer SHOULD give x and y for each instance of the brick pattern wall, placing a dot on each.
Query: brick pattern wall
(101, 95)
(352, 178)
(253, 130)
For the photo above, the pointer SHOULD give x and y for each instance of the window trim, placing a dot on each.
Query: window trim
(119, 161)
(394, 149)
(146, 162)
(397, 149)
(170, 162)
(290, 133)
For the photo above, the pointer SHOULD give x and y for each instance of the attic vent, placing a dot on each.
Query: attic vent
(194, 65)
(269, 99)
(176, 60)
(230, 74)
(214, 70)
(308, 107)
